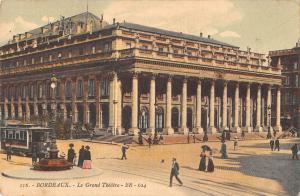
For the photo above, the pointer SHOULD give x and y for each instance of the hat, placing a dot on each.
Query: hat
(174, 159)
(87, 147)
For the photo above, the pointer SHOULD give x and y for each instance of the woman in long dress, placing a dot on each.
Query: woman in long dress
(81, 157)
(210, 164)
(87, 163)
(202, 165)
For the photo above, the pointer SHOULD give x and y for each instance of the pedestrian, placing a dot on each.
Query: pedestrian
(223, 136)
(223, 151)
(161, 138)
(243, 134)
(272, 144)
(92, 135)
(124, 148)
(269, 135)
(71, 153)
(149, 140)
(235, 143)
(295, 151)
(81, 156)
(87, 163)
(155, 139)
(175, 172)
(33, 158)
(188, 137)
(8, 153)
(277, 144)
(202, 164)
(194, 137)
(210, 164)
(228, 135)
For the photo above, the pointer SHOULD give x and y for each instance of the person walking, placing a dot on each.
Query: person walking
(8, 153)
(277, 145)
(175, 172)
(149, 140)
(223, 151)
(295, 151)
(87, 163)
(210, 164)
(124, 148)
(205, 137)
(202, 164)
(235, 143)
(140, 138)
(81, 157)
(272, 144)
(194, 137)
(161, 139)
(71, 153)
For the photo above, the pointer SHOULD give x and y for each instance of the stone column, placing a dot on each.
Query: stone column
(236, 108)
(248, 109)
(151, 129)
(168, 129)
(35, 105)
(184, 128)
(86, 110)
(212, 129)
(198, 128)
(74, 106)
(224, 106)
(27, 108)
(119, 106)
(5, 108)
(111, 103)
(278, 124)
(63, 99)
(269, 101)
(134, 113)
(12, 108)
(20, 112)
(97, 97)
(1, 112)
(258, 109)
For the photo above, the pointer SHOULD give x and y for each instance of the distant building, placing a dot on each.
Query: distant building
(125, 77)
(290, 96)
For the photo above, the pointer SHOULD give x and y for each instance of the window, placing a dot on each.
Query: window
(70, 54)
(160, 49)
(50, 57)
(105, 87)
(93, 49)
(295, 65)
(79, 88)
(287, 81)
(31, 92)
(68, 89)
(41, 59)
(57, 89)
(40, 91)
(296, 81)
(32, 61)
(91, 86)
(59, 55)
(175, 51)
(25, 62)
(24, 92)
(107, 46)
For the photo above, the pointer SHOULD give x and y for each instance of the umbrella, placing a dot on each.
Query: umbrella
(206, 148)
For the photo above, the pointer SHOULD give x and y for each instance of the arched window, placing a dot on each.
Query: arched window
(68, 90)
(159, 118)
(143, 120)
(91, 86)
(105, 87)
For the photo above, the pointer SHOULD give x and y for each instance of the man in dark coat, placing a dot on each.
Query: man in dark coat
(124, 148)
(8, 153)
(277, 145)
(81, 157)
(272, 144)
(295, 151)
(140, 138)
(71, 153)
(175, 172)
(149, 141)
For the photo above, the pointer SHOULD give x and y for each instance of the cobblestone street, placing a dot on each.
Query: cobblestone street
(251, 170)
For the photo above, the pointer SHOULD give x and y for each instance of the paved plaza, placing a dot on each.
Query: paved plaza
(251, 170)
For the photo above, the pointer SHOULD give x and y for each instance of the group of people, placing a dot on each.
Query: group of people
(274, 144)
(206, 162)
(150, 140)
(84, 158)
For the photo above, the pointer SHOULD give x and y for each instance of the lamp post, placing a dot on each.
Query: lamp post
(53, 86)
(269, 128)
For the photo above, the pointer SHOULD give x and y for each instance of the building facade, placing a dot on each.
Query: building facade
(126, 77)
(290, 105)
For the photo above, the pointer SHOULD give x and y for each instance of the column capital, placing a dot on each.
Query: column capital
(170, 77)
(135, 74)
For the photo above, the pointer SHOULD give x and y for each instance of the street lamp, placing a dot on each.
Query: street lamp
(53, 86)
(269, 128)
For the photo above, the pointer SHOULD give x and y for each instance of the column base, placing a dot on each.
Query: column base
(134, 130)
(212, 130)
(224, 128)
(248, 129)
(184, 130)
(150, 131)
(278, 128)
(198, 130)
(236, 129)
(259, 129)
(119, 131)
(168, 131)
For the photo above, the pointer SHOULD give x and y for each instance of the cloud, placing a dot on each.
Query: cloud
(18, 25)
(182, 16)
(229, 34)
(47, 19)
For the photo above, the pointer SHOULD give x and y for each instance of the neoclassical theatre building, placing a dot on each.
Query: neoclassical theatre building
(125, 77)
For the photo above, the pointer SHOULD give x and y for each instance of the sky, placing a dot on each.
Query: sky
(262, 25)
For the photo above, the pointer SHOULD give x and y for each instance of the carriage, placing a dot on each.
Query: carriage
(23, 139)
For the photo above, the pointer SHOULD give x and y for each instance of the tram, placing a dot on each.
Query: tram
(23, 139)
